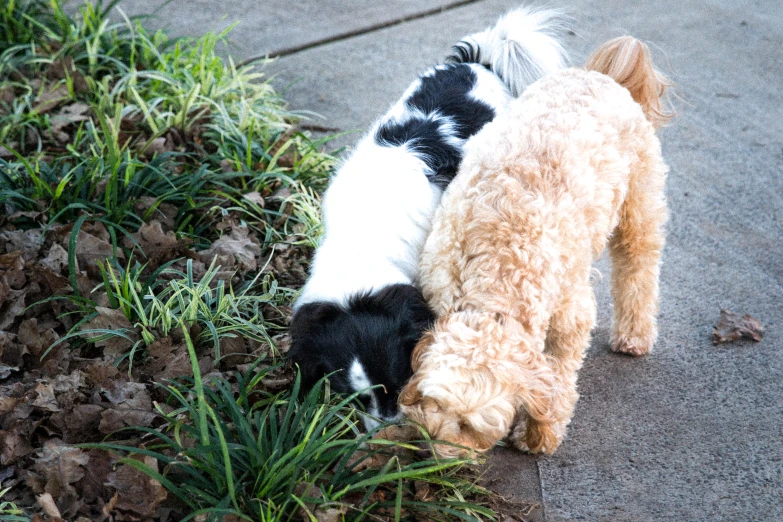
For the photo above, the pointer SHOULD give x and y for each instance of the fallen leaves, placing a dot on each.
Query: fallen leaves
(111, 319)
(732, 327)
(376, 455)
(138, 494)
(93, 246)
(158, 246)
(130, 404)
(238, 249)
(57, 467)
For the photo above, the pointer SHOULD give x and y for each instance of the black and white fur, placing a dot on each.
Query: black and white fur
(359, 313)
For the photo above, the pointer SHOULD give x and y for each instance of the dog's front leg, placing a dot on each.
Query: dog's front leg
(568, 337)
(535, 425)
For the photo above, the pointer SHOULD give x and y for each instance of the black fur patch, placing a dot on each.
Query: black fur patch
(442, 94)
(465, 52)
(379, 329)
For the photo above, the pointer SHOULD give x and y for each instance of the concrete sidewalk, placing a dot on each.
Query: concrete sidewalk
(691, 432)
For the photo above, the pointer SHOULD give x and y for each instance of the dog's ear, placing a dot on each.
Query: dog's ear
(405, 302)
(421, 348)
(312, 370)
(307, 323)
(313, 316)
(410, 393)
(306, 350)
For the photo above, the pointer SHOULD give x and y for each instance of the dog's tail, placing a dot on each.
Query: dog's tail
(627, 61)
(521, 48)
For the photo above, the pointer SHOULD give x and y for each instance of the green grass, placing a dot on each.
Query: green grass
(9, 511)
(157, 310)
(231, 132)
(263, 456)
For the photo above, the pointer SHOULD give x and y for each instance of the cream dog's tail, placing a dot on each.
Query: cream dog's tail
(627, 61)
(521, 48)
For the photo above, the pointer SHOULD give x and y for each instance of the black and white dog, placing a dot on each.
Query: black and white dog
(360, 312)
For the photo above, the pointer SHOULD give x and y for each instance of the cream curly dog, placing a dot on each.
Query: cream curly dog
(573, 165)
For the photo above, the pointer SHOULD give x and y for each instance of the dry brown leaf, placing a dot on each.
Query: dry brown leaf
(166, 213)
(167, 360)
(306, 492)
(28, 241)
(158, 146)
(12, 303)
(376, 455)
(131, 406)
(233, 351)
(36, 337)
(92, 486)
(255, 197)
(333, 513)
(100, 372)
(45, 399)
(424, 492)
(13, 446)
(90, 250)
(51, 98)
(78, 422)
(157, 245)
(48, 506)
(732, 327)
(7, 94)
(12, 261)
(137, 492)
(7, 404)
(6, 371)
(236, 248)
(61, 466)
(110, 319)
(56, 259)
(109, 507)
(399, 433)
(64, 68)
(73, 113)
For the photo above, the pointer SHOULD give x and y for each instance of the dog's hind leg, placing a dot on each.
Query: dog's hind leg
(635, 247)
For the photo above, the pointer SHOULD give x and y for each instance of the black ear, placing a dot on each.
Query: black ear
(408, 301)
(311, 371)
(307, 327)
(312, 317)
(404, 302)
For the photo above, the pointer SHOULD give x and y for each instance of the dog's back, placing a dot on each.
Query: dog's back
(560, 160)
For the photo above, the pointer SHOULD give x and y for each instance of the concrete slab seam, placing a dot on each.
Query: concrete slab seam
(358, 32)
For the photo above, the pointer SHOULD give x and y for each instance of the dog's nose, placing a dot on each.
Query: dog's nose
(424, 452)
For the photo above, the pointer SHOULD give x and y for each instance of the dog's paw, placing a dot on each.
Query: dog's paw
(544, 437)
(634, 346)
(519, 443)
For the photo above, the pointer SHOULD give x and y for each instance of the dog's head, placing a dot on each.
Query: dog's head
(368, 343)
(469, 382)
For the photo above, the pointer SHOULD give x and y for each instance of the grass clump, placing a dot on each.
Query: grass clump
(96, 115)
(243, 451)
(8, 510)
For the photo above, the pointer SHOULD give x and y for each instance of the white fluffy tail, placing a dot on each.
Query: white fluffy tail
(521, 48)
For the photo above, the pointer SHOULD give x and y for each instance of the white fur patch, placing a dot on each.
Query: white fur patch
(358, 380)
(357, 377)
